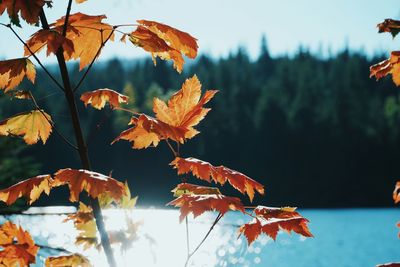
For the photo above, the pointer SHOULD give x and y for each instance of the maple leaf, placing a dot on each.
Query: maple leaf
(126, 201)
(396, 193)
(185, 108)
(393, 264)
(219, 174)
(12, 72)
(98, 98)
(164, 41)
(198, 204)
(80, 1)
(147, 131)
(29, 10)
(85, 224)
(73, 260)
(192, 189)
(33, 125)
(388, 66)
(389, 25)
(51, 38)
(21, 94)
(92, 182)
(30, 188)
(18, 246)
(270, 220)
(84, 37)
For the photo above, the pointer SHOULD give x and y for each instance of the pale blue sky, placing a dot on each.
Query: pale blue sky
(222, 25)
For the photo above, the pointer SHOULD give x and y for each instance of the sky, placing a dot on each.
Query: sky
(221, 26)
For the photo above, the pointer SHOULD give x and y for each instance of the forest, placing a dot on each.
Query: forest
(315, 130)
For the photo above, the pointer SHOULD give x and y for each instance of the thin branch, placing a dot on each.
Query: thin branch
(51, 123)
(59, 249)
(64, 32)
(187, 237)
(93, 60)
(172, 149)
(34, 56)
(219, 216)
(128, 110)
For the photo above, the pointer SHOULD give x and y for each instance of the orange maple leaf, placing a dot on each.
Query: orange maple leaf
(388, 66)
(33, 125)
(52, 38)
(147, 131)
(164, 41)
(185, 108)
(84, 38)
(98, 98)
(73, 260)
(12, 72)
(192, 189)
(18, 246)
(219, 174)
(30, 188)
(270, 220)
(29, 10)
(198, 204)
(393, 264)
(92, 182)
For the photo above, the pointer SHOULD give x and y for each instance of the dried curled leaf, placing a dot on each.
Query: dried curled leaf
(198, 204)
(29, 10)
(18, 248)
(98, 98)
(389, 25)
(388, 66)
(30, 188)
(21, 94)
(270, 220)
(73, 260)
(51, 38)
(32, 126)
(164, 41)
(192, 189)
(92, 182)
(12, 72)
(219, 174)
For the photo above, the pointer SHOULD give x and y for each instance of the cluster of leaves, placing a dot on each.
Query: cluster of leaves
(381, 69)
(82, 37)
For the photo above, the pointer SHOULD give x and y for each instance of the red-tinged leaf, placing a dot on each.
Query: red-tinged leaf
(220, 174)
(73, 260)
(92, 182)
(192, 189)
(18, 246)
(396, 193)
(29, 10)
(32, 126)
(270, 220)
(179, 40)
(185, 108)
(198, 204)
(13, 71)
(389, 25)
(21, 94)
(388, 66)
(52, 38)
(80, 1)
(165, 42)
(87, 34)
(148, 131)
(30, 188)
(98, 98)
(393, 264)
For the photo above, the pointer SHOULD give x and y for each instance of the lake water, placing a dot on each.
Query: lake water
(343, 237)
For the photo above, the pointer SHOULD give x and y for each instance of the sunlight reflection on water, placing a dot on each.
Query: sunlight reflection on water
(346, 238)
